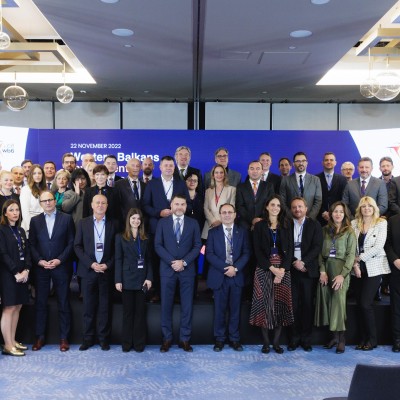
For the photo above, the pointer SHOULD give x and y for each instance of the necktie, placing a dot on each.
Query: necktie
(111, 182)
(49, 185)
(146, 180)
(229, 259)
(17, 189)
(135, 190)
(264, 177)
(178, 229)
(254, 191)
(301, 185)
(181, 171)
(363, 187)
(329, 181)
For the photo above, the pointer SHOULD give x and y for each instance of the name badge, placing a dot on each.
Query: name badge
(140, 263)
(100, 247)
(332, 252)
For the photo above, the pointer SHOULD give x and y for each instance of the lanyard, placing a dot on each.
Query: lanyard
(138, 246)
(170, 186)
(274, 235)
(18, 238)
(300, 233)
(217, 197)
(333, 238)
(101, 233)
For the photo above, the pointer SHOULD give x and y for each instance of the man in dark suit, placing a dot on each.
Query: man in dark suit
(183, 155)
(302, 184)
(365, 185)
(128, 193)
(394, 196)
(147, 168)
(332, 186)
(392, 248)
(386, 167)
(267, 176)
(178, 243)
(51, 236)
(111, 163)
(221, 157)
(94, 247)
(307, 238)
(228, 252)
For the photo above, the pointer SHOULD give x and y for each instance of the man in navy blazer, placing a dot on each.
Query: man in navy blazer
(332, 186)
(365, 185)
(228, 252)
(94, 247)
(51, 236)
(178, 243)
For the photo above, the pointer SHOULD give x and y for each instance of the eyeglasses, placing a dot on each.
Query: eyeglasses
(193, 180)
(347, 169)
(227, 212)
(46, 201)
(222, 155)
(300, 161)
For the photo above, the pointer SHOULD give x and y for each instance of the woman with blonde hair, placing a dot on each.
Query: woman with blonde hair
(369, 266)
(6, 187)
(60, 186)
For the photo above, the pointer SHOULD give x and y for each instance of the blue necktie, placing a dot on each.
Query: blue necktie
(301, 185)
(178, 229)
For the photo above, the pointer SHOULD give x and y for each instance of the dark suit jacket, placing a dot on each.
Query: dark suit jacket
(126, 263)
(312, 192)
(311, 246)
(329, 197)
(88, 197)
(376, 189)
(394, 196)
(275, 181)
(124, 199)
(216, 255)
(249, 207)
(85, 248)
(234, 178)
(169, 250)
(263, 244)
(392, 246)
(61, 243)
(155, 200)
(191, 170)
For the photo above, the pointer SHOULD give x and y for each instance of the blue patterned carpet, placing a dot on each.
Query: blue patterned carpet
(203, 374)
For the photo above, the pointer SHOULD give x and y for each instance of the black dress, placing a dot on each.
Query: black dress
(12, 241)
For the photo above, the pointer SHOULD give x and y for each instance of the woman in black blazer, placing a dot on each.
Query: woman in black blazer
(15, 263)
(133, 277)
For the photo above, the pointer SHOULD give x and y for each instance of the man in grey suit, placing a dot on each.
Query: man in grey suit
(365, 185)
(302, 184)
(222, 158)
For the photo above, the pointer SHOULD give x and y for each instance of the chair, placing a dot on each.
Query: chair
(374, 382)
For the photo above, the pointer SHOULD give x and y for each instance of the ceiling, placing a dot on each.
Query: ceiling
(203, 50)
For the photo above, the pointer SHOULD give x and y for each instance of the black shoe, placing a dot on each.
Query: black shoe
(218, 346)
(126, 349)
(139, 349)
(104, 346)
(236, 346)
(85, 345)
(185, 346)
(306, 347)
(396, 348)
(165, 346)
(265, 349)
(368, 347)
(278, 349)
(292, 346)
(360, 346)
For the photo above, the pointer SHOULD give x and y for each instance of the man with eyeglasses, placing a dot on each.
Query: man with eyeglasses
(228, 252)
(69, 162)
(347, 169)
(302, 184)
(222, 158)
(183, 156)
(51, 235)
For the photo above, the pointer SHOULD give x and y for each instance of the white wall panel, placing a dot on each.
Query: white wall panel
(304, 116)
(369, 116)
(87, 115)
(37, 114)
(236, 116)
(155, 116)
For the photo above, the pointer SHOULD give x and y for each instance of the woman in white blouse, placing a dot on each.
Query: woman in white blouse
(369, 266)
(217, 194)
(29, 197)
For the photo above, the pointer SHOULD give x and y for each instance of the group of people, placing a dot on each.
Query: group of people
(292, 243)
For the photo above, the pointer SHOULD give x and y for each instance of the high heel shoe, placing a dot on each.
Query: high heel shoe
(12, 352)
(278, 349)
(333, 342)
(265, 349)
(340, 348)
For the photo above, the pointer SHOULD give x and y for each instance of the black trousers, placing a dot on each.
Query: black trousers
(134, 319)
(365, 289)
(394, 285)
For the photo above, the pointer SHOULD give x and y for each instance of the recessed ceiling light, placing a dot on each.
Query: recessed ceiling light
(300, 33)
(146, 91)
(319, 2)
(83, 91)
(122, 32)
(128, 45)
(292, 47)
(264, 92)
(109, 1)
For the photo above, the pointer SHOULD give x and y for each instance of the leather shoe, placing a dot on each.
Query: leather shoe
(360, 346)
(292, 346)
(236, 346)
(218, 346)
(265, 349)
(12, 352)
(185, 346)
(20, 346)
(165, 346)
(104, 346)
(278, 349)
(126, 349)
(396, 347)
(306, 347)
(85, 345)
(368, 347)
(139, 349)
(64, 345)
(39, 343)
